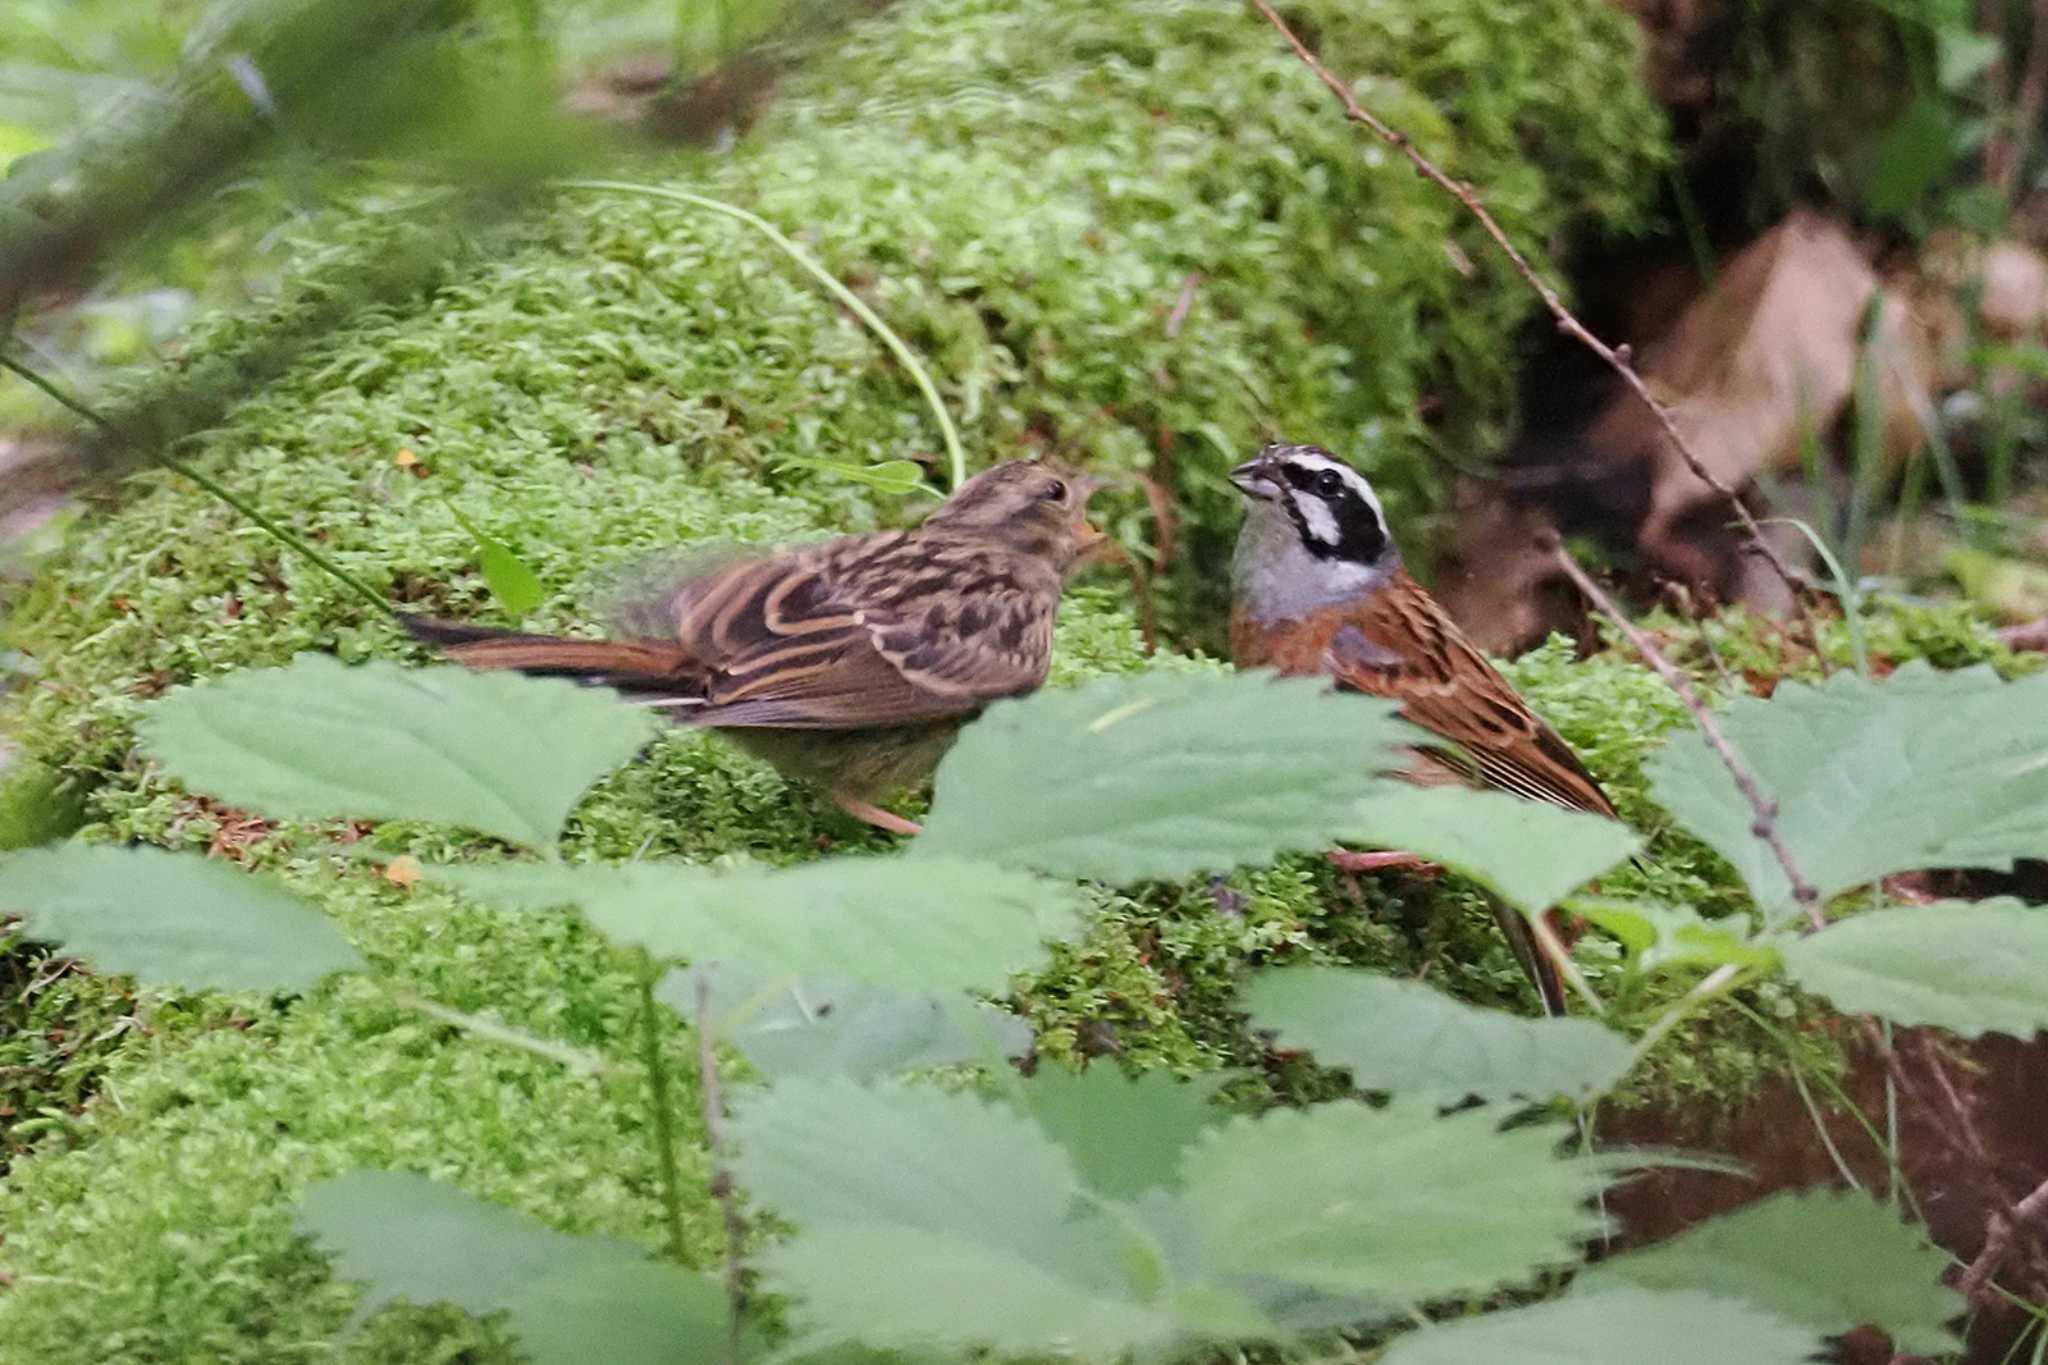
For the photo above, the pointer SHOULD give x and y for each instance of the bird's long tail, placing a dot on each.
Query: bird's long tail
(1541, 972)
(643, 668)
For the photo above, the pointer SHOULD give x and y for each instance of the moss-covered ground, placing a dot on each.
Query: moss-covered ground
(1026, 191)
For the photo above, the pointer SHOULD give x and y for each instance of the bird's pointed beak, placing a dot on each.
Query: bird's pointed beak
(1258, 479)
(1086, 536)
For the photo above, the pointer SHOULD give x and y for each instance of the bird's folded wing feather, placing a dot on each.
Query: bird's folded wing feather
(1402, 646)
(882, 630)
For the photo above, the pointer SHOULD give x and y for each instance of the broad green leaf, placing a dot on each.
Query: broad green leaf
(927, 924)
(1405, 1036)
(1921, 769)
(1913, 154)
(912, 1156)
(1394, 1204)
(571, 1300)
(494, 752)
(931, 1219)
(816, 1026)
(1658, 936)
(1622, 1326)
(517, 588)
(1530, 853)
(1829, 1260)
(1160, 775)
(172, 919)
(1124, 1134)
(1968, 967)
(36, 805)
(892, 1286)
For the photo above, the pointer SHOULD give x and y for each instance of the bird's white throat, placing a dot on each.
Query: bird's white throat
(1274, 577)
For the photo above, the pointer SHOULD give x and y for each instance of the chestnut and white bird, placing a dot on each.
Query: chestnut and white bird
(850, 663)
(1318, 588)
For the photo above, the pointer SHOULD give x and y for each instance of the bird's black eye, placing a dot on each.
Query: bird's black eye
(1328, 482)
(1053, 491)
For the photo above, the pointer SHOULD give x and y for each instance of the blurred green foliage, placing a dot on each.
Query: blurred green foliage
(1878, 105)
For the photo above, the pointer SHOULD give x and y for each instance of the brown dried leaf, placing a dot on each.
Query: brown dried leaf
(1767, 354)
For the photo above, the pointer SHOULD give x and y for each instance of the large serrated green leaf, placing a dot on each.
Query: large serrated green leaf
(571, 1300)
(922, 925)
(1123, 1133)
(928, 1219)
(1394, 1204)
(1404, 1036)
(897, 1287)
(1160, 775)
(494, 752)
(1623, 1326)
(833, 1151)
(1530, 853)
(816, 1026)
(1968, 967)
(1921, 769)
(1831, 1260)
(173, 919)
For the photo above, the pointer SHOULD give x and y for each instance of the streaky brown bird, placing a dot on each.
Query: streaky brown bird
(851, 663)
(1318, 588)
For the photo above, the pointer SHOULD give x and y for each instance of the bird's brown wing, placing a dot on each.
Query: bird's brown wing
(891, 629)
(1400, 644)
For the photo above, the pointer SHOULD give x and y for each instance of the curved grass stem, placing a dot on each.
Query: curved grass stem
(1717, 982)
(956, 458)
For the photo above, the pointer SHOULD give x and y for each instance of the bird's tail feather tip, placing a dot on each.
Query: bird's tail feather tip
(441, 633)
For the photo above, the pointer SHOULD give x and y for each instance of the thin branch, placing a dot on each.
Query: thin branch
(1998, 1243)
(721, 1174)
(1765, 826)
(275, 529)
(1616, 358)
(1179, 316)
(1964, 1131)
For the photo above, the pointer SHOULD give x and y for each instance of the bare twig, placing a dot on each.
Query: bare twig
(2004, 1227)
(1179, 316)
(1765, 827)
(721, 1174)
(1964, 1130)
(1617, 358)
(275, 529)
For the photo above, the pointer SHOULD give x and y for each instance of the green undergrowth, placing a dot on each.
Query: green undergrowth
(151, 1224)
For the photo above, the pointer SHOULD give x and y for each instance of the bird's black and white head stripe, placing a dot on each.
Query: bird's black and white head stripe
(1333, 508)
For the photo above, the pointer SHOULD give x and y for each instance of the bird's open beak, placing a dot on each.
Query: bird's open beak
(1258, 479)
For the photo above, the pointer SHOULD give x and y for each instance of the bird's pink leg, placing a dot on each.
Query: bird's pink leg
(1344, 860)
(874, 815)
